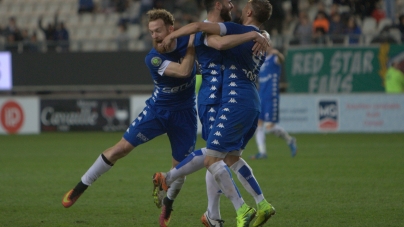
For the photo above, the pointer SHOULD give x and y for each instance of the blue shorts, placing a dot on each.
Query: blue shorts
(233, 128)
(207, 115)
(270, 109)
(180, 126)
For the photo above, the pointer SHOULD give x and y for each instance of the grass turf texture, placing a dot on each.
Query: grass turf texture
(335, 180)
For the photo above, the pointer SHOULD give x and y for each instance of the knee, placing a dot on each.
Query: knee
(231, 159)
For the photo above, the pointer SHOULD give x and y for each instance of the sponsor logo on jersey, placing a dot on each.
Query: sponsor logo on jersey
(212, 96)
(213, 88)
(223, 117)
(328, 115)
(233, 67)
(212, 110)
(226, 110)
(220, 125)
(214, 72)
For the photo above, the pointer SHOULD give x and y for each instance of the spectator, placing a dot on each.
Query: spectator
(295, 8)
(122, 38)
(145, 5)
(303, 30)
(378, 12)
(321, 22)
(275, 24)
(12, 31)
(86, 6)
(61, 37)
(336, 29)
(319, 36)
(33, 45)
(353, 31)
(121, 5)
(49, 32)
(400, 26)
(190, 10)
(394, 78)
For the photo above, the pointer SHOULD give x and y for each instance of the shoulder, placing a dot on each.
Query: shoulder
(154, 59)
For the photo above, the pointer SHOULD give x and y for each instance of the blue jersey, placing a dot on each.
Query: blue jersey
(210, 64)
(241, 68)
(269, 77)
(170, 93)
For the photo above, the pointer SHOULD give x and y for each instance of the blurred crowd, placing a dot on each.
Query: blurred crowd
(337, 26)
(305, 22)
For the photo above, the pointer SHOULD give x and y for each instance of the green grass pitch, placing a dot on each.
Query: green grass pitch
(352, 180)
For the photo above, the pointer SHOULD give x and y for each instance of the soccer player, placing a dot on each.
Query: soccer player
(170, 109)
(237, 116)
(269, 78)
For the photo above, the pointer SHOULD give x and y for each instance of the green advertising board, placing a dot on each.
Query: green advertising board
(335, 70)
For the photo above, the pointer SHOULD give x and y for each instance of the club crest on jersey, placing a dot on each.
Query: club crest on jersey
(156, 61)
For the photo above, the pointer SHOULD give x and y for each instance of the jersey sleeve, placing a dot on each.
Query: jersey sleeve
(157, 63)
(233, 28)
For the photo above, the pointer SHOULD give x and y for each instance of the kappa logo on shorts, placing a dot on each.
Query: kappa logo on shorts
(142, 137)
(156, 61)
(328, 115)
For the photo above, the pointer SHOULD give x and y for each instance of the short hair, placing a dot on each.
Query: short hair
(162, 14)
(262, 10)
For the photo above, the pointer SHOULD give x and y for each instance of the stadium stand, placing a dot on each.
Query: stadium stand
(101, 26)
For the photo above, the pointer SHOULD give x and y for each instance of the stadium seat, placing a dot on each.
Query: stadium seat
(86, 19)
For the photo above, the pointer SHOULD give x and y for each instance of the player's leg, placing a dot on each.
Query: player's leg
(182, 132)
(260, 140)
(221, 173)
(101, 165)
(146, 126)
(245, 175)
(212, 217)
(280, 132)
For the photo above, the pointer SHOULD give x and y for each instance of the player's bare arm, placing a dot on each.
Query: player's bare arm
(230, 41)
(192, 28)
(183, 69)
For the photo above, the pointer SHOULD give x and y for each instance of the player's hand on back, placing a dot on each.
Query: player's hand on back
(261, 44)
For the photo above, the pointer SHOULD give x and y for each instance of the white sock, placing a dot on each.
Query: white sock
(192, 163)
(280, 132)
(96, 170)
(246, 177)
(214, 193)
(222, 176)
(175, 188)
(260, 139)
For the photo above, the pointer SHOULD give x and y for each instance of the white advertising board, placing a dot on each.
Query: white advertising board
(342, 113)
(19, 115)
(5, 71)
